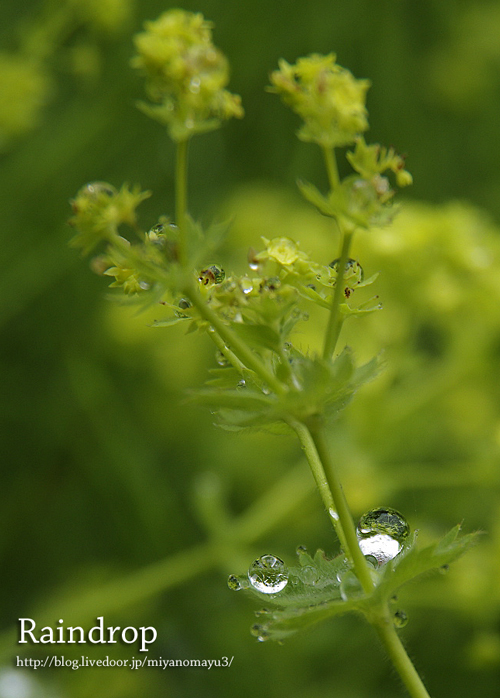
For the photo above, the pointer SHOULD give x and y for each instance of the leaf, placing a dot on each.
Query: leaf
(316, 198)
(168, 322)
(203, 244)
(258, 336)
(319, 588)
(243, 399)
(313, 593)
(414, 561)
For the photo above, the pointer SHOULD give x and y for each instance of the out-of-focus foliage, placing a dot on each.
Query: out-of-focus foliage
(106, 471)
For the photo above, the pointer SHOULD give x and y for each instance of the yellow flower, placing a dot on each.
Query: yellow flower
(326, 96)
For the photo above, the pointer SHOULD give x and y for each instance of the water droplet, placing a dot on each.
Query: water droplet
(194, 86)
(158, 229)
(246, 285)
(381, 533)
(379, 546)
(400, 619)
(93, 189)
(301, 549)
(241, 384)
(268, 574)
(237, 582)
(212, 275)
(352, 268)
(221, 359)
(384, 520)
(144, 285)
(350, 586)
(271, 284)
(233, 582)
(189, 123)
(305, 316)
(183, 304)
(333, 514)
(309, 575)
(259, 632)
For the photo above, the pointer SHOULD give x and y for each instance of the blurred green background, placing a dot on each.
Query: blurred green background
(118, 498)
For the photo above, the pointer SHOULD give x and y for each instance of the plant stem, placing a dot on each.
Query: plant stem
(336, 320)
(400, 659)
(317, 453)
(320, 477)
(331, 167)
(358, 559)
(247, 357)
(225, 351)
(181, 165)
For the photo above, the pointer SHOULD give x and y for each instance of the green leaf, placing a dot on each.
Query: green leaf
(258, 336)
(168, 322)
(414, 561)
(316, 198)
(244, 399)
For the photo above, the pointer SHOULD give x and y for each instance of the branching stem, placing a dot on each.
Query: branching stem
(240, 349)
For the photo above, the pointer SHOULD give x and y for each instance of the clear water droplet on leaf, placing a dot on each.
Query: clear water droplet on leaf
(381, 533)
(268, 574)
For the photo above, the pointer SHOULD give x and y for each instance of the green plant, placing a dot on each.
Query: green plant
(263, 380)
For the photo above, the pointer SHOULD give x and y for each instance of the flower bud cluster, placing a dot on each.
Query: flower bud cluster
(98, 211)
(326, 96)
(186, 75)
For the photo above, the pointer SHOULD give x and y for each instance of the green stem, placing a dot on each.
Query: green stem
(247, 357)
(320, 478)
(331, 167)
(336, 320)
(181, 165)
(225, 351)
(318, 454)
(400, 659)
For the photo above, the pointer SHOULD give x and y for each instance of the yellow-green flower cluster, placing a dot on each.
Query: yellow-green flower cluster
(186, 75)
(99, 209)
(326, 96)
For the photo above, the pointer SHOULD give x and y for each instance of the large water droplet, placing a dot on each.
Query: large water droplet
(381, 533)
(268, 574)
(384, 520)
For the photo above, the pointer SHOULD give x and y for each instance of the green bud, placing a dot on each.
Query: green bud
(326, 96)
(99, 209)
(186, 75)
